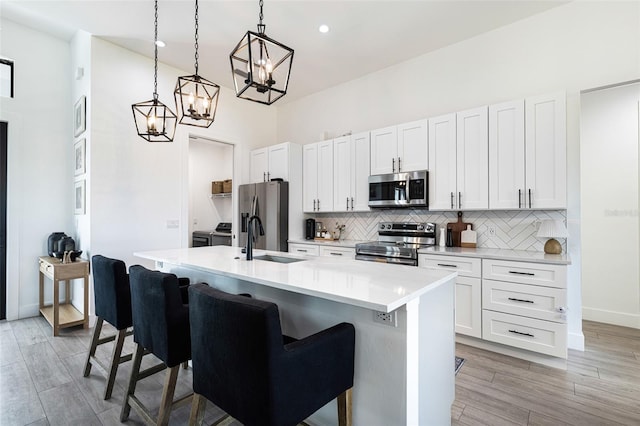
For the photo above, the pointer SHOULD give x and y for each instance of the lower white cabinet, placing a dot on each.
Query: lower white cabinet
(322, 249)
(304, 249)
(345, 252)
(468, 289)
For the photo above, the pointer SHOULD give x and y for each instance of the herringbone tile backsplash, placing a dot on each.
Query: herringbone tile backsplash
(514, 230)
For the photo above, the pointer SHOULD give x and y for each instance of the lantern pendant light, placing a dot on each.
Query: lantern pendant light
(196, 97)
(261, 66)
(155, 122)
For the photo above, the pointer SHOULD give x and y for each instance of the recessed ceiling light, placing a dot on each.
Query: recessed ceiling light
(323, 28)
(160, 43)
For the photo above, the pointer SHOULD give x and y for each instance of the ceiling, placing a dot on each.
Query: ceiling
(364, 36)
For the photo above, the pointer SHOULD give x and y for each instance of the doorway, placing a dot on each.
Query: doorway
(3, 219)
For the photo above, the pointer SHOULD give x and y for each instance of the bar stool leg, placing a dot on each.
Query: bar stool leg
(345, 408)
(167, 395)
(198, 407)
(133, 380)
(93, 346)
(115, 362)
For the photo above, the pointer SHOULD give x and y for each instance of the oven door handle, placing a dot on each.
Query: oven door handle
(382, 255)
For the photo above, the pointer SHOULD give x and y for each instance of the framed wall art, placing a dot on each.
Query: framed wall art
(80, 116)
(80, 157)
(79, 197)
(6, 78)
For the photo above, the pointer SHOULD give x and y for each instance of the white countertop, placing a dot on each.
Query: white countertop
(371, 285)
(324, 242)
(500, 254)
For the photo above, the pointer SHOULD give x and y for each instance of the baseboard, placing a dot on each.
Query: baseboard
(549, 361)
(28, 311)
(611, 317)
(576, 341)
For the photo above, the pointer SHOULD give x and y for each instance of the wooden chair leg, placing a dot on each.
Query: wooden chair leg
(115, 362)
(345, 408)
(185, 365)
(133, 380)
(92, 347)
(198, 407)
(167, 395)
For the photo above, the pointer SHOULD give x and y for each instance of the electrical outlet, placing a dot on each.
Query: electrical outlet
(492, 231)
(173, 224)
(387, 318)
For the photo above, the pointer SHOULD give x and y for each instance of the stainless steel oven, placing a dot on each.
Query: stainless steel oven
(410, 189)
(398, 243)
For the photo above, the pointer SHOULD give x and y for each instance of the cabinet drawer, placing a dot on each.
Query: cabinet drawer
(464, 266)
(526, 333)
(523, 299)
(304, 249)
(525, 273)
(343, 252)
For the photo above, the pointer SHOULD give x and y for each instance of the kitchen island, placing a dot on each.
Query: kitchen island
(404, 367)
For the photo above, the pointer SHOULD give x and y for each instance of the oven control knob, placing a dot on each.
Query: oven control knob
(382, 226)
(389, 226)
(420, 227)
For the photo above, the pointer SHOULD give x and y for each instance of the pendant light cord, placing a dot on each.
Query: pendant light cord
(196, 43)
(155, 43)
(261, 26)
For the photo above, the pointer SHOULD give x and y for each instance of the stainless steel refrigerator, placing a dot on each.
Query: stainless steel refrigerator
(270, 202)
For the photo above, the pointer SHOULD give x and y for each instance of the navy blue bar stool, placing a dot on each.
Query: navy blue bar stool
(244, 365)
(113, 305)
(161, 327)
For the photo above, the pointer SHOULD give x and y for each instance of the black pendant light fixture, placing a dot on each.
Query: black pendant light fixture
(196, 97)
(261, 66)
(154, 120)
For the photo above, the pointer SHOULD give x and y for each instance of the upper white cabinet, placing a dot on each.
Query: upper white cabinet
(351, 173)
(458, 161)
(527, 153)
(401, 148)
(317, 173)
(270, 163)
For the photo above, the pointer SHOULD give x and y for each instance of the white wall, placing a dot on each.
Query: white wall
(208, 161)
(39, 157)
(571, 47)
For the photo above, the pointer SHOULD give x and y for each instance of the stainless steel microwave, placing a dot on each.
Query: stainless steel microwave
(409, 189)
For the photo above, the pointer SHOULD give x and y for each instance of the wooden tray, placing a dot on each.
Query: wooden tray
(457, 228)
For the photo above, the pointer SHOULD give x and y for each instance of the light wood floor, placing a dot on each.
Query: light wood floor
(41, 382)
(600, 387)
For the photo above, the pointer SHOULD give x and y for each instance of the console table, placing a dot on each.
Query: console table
(61, 315)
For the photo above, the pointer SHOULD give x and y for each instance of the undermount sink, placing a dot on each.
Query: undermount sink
(277, 259)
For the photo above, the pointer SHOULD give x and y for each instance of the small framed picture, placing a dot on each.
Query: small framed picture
(6, 78)
(80, 116)
(79, 197)
(80, 157)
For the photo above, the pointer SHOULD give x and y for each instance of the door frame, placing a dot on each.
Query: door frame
(4, 137)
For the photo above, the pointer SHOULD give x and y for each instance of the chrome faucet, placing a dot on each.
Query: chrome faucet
(249, 247)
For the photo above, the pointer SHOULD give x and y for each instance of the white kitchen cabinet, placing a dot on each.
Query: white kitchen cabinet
(351, 173)
(304, 249)
(317, 159)
(527, 153)
(468, 315)
(401, 148)
(322, 249)
(334, 251)
(458, 161)
(270, 163)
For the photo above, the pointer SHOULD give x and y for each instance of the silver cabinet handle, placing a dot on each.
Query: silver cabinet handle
(521, 333)
(522, 273)
(398, 164)
(264, 176)
(302, 250)
(347, 203)
(519, 198)
(520, 300)
(351, 203)
(268, 176)
(318, 205)
(530, 198)
(314, 205)
(393, 165)
(447, 265)
(459, 199)
(335, 254)
(452, 200)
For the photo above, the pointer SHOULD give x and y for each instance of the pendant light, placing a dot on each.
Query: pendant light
(155, 122)
(196, 97)
(261, 66)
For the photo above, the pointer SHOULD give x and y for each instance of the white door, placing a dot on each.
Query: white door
(442, 163)
(279, 162)
(506, 155)
(360, 172)
(469, 306)
(412, 146)
(546, 151)
(384, 150)
(342, 171)
(310, 177)
(325, 176)
(259, 165)
(472, 157)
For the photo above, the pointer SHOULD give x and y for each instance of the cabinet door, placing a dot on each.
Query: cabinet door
(546, 152)
(342, 171)
(472, 157)
(325, 176)
(360, 172)
(469, 306)
(309, 177)
(412, 146)
(259, 165)
(442, 163)
(384, 150)
(279, 162)
(506, 155)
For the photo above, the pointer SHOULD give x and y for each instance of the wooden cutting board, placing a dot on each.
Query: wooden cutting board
(457, 228)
